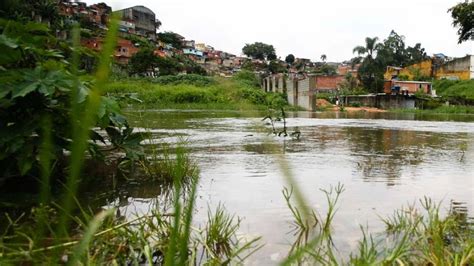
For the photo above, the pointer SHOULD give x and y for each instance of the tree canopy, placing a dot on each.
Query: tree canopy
(290, 59)
(171, 38)
(144, 62)
(375, 56)
(259, 50)
(463, 17)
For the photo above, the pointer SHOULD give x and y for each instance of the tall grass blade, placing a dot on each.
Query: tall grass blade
(188, 215)
(175, 237)
(46, 157)
(88, 118)
(93, 226)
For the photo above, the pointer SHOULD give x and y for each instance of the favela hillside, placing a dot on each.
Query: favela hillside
(238, 133)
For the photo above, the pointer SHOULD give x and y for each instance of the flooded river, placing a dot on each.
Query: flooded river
(385, 161)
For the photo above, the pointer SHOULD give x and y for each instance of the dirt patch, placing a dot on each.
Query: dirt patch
(364, 109)
(326, 105)
(323, 103)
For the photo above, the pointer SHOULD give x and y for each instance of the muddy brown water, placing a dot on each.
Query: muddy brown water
(384, 160)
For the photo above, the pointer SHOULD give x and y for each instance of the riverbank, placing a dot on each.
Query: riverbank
(240, 92)
(451, 109)
(457, 91)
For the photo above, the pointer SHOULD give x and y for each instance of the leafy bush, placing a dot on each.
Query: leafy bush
(247, 78)
(356, 104)
(355, 91)
(189, 79)
(462, 89)
(276, 100)
(431, 104)
(325, 95)
(254, 96)
(39, 94)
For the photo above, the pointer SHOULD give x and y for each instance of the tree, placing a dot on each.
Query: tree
(415, 54)
(370, 71)
(368, 49)
(327, 69)
(259, 50)
(355, 61)
(275, 67)
(463, 17)
(33, 10)
(271, 56)
(391, 52)
(323, 57)
(143, 62)
(290, 59)
(171, 38)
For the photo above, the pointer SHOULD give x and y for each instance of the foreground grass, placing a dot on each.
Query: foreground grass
(217, 93)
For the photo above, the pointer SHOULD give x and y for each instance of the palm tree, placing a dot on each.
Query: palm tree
(323, 57)
(369, 72)
(370, 46)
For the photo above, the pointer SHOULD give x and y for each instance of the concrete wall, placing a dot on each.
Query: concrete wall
(381, 101)
(274, 83)
(472, 67)
(363, 100)
(291, 91)
(304, 95)
(459, 68)
(300, 93)
(395, 101)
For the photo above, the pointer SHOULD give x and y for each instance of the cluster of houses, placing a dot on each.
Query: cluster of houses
(141, 22)
(302, 88)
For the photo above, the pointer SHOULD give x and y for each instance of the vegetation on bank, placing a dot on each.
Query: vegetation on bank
(443, 109)
(455, 90)
(196, 92)
(455, 97)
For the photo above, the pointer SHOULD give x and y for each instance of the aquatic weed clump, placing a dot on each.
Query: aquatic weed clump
(412, 236)
(165, 163)
(420, 237)
(313, 235)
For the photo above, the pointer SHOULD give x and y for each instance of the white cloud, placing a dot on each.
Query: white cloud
(308, 28)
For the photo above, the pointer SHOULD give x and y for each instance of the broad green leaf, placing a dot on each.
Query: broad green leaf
(114, 134)
(4, 92)
(8, 42)
(22, 91)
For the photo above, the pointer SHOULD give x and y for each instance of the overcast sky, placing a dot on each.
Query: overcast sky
(307, 28)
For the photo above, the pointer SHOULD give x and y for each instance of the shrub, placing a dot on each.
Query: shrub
(462, 89)
(248, 78)
(190, 79)
(254, 96)
(276, 100)
(356, 104)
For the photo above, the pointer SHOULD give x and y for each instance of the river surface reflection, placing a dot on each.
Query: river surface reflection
(385, 161)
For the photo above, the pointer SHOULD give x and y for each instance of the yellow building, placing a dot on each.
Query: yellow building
(458, 68)
(422, 69)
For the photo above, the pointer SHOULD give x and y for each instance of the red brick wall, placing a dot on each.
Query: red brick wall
(328, 82)
(125, 50)
(387, 87)
(410, 86)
